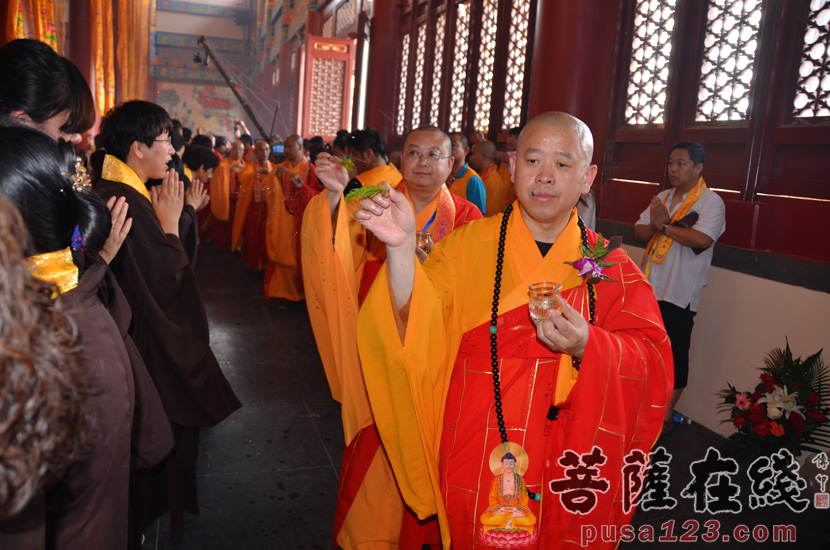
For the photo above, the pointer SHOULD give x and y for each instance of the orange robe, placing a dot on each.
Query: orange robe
(369, 508)
(495, 191)
(250, 216)
(224, 192)
(507, 184)
(432, 398)
(286, 205)
(379, 174)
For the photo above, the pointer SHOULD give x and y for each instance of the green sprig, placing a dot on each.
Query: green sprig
(348, 163)
(366, 192)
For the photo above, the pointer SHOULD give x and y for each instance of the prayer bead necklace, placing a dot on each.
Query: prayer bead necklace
(494, 338)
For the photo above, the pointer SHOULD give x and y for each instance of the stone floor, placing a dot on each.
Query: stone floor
(268, 474)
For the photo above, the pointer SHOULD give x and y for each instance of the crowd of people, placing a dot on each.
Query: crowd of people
(460, 410)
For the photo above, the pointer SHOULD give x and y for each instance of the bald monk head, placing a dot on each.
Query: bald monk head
(237, 150)
(551, 170)
(483, 155)
(426, 159)
(261, 151)
(294, 149)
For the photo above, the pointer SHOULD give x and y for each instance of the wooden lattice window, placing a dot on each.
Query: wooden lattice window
(403, 60)
(328, 78)
(328, 27)
(346, 15)
(418, 83)
(648, 69)
(486, 60)
(516, 61)
(459, 66)
(729, 52)
(437, 59)
(812, 96)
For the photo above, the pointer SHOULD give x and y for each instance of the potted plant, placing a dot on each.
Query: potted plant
(787, 410)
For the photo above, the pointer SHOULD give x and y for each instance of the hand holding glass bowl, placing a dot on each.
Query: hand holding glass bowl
(544, 297)
(423, 239)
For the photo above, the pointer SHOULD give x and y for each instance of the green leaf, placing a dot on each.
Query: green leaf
(366, 192)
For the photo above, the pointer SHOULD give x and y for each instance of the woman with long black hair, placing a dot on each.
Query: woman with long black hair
(70, 226)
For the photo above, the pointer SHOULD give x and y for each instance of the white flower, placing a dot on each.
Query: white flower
(780, 402)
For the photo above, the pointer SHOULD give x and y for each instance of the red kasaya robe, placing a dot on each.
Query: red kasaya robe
(251, 215)
(369, 505)
(286, 205)
(432, 396)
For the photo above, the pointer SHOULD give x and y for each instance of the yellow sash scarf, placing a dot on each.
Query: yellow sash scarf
(56, 268)
(659, 245)
(115, 170)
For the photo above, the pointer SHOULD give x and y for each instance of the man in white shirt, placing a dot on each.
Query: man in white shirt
(681, 225)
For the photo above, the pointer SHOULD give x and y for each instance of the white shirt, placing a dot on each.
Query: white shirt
(683, 274)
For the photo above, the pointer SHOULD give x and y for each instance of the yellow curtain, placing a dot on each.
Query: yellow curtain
(15, 26)
(133, 53)
(103, 55)
(33, 19)
(43, 17)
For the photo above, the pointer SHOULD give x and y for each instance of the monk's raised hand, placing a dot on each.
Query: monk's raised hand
(120, 228)
(168, 200)
(565, 332)
(331, 173)
(197, 195)
(389, 217)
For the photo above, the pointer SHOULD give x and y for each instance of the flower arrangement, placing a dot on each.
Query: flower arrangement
(788, 409)
(592, 262)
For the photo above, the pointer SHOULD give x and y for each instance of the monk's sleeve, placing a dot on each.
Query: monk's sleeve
(628, 359)
(408, 382)
(620, 395)
(331, 287)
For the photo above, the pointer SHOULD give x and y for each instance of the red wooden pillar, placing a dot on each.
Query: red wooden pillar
(284, 90)
(80, 44)
(380, 81)
(313, 23)
(5, 26)
(573, 57)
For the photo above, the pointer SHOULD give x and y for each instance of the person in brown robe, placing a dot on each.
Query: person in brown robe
(169, 325)
(88, 506)
(40, 369)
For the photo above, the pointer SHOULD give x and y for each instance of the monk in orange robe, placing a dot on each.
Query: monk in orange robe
(224, 192)
(503, 157)
(593, 378)
(463, 180)
(252, 209)
(339, 259)
(371, 161)
(482, 160)
(288, 195)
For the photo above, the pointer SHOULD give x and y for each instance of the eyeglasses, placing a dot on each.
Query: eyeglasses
(167, 141)
(432, 156)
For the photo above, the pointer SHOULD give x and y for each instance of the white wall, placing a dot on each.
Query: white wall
(740, 319)
(188, 23)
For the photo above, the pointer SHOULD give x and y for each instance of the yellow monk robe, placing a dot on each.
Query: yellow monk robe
(507, 184)
(495, 191)
(379, 174)
(286, 205)
(220, 191)
(432, 397)
(251, 215)
(370, 510)
(224, 192)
